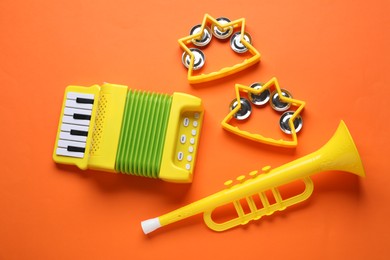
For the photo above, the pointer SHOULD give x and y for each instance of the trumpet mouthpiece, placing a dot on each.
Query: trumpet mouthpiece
(150, 225)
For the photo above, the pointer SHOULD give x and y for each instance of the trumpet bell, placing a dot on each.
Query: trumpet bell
(340, 153)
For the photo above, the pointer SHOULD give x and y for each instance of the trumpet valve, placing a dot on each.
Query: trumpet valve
(241, 178)
(266, 169)
(228, 183)
(253, 174)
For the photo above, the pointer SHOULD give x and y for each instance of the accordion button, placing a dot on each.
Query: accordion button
(188, 166)
(186, 121)
(196, 115)
(183, 139)
(180, 156)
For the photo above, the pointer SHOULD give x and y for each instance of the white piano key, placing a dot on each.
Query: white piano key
(72, 111)
(66, 143)
(68, 136)
(65, 152)
(68, 127)
(74, 104)
(70, 120)
(74, 95)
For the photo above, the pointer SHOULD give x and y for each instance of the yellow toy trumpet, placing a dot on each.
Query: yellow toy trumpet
(338, 154)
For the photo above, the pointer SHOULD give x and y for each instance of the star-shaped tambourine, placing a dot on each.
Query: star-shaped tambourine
(262, 94)
(202, 34)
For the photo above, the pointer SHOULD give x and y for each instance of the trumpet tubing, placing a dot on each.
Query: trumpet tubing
(257, 212)
(339, 154)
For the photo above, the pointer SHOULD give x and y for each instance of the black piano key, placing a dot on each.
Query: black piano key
(78, 132)
(81, 116)
(84, 100)
(75, 149)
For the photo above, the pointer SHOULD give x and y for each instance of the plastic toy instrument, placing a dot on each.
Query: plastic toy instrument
(112, 128)
(220, 27)
(271, 84)
(339, 154)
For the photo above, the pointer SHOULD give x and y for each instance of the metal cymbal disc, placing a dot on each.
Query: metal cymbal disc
(220, 33)
(237, 45)
(199, 58)
(259, 99)
(206, 36)
(277, 104)
(245, 109)
(284, 119)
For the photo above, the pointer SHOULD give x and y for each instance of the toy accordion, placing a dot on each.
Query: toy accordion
(112, 128)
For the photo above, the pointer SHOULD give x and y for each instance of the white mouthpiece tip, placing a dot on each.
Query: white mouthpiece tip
(150, 225)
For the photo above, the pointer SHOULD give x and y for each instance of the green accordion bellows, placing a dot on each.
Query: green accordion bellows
(143, 133)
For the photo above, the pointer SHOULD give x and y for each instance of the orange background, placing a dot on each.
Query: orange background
(332, 54)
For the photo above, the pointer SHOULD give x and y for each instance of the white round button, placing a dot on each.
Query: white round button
(196, 115)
